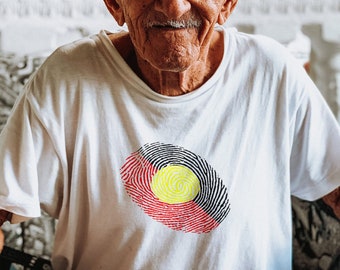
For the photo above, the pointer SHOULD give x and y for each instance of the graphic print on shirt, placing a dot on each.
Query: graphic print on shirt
(176, 187)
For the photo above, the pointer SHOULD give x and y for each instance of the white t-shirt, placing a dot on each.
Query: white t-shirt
(144, 181)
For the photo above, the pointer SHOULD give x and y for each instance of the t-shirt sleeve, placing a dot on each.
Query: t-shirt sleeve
(30, 169)
(315, 155)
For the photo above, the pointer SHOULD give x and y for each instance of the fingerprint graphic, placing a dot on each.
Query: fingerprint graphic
(176, 187)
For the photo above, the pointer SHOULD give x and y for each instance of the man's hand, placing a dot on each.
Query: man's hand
(333, 200)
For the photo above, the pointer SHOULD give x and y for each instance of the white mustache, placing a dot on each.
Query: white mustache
(191, 23)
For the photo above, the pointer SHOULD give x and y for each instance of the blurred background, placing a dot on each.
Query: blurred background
(31, 29)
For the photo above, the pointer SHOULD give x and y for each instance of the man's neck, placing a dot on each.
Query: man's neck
(176, 83)
(167, 82)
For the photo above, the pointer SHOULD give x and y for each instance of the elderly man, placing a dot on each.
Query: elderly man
(176, 145)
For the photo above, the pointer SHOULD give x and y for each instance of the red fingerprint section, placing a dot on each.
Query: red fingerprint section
(137, 175)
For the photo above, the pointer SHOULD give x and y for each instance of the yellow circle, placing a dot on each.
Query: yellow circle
(175, 184)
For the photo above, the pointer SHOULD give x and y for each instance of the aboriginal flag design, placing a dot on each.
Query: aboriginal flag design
(176, 187)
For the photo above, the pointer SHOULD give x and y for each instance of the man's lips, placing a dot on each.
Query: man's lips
(174, 25)
(165, 27)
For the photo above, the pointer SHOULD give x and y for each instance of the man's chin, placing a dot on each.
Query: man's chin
(173, 58)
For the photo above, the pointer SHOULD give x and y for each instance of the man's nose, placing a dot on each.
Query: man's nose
(173, 9)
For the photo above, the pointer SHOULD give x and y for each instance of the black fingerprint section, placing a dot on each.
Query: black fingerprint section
(213, 197)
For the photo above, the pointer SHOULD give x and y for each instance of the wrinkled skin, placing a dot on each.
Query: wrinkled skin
(175, 43)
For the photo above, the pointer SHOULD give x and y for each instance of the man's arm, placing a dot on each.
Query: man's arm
(333, 200)
(2, 240)
(4, 216)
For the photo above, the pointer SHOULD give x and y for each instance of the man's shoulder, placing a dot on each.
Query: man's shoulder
(77, 49)
(260, 43)
(260, 50)
(73, 58)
